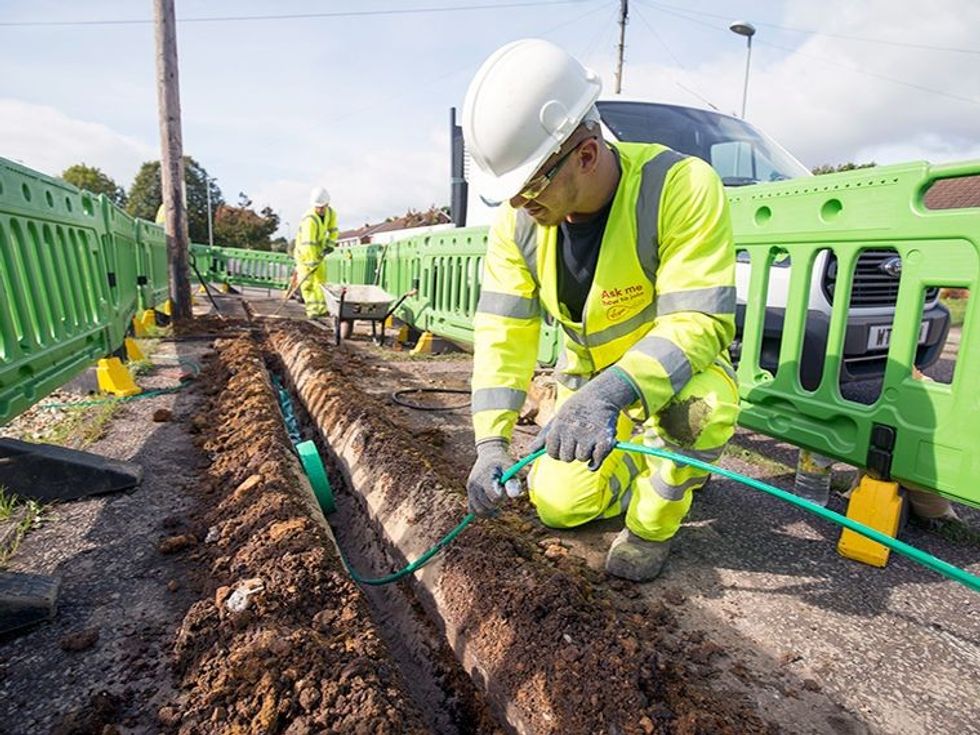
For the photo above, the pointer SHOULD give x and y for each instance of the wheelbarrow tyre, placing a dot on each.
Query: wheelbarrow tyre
(346, 328)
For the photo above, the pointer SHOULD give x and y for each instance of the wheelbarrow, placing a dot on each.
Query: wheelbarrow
(346, 303)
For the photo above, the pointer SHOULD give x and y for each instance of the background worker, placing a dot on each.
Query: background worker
(316, 238)
(629, 247)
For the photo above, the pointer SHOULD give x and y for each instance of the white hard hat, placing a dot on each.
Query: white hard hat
(319, 197)
(523, 103)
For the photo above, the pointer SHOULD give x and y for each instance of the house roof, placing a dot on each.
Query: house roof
(405, 222)
(957, 193)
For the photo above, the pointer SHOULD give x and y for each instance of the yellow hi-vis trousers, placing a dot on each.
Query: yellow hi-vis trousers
(311, 288)
(654, 493)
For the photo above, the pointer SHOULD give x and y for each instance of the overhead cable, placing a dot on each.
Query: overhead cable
(296, 16)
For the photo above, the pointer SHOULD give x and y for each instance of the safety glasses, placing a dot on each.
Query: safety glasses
(536, 186)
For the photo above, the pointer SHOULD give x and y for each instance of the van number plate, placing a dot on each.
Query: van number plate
(880, 337)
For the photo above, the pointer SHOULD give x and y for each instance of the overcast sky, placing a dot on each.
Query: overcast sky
(360, 103)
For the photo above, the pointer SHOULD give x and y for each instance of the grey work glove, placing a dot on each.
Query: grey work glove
(584, 428)
(483, 488)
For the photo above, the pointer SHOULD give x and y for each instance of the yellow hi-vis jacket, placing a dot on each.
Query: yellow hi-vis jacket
(315, 237)
(662, 303)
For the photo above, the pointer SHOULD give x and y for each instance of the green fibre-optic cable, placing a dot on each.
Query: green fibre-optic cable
(441, 543)
(927, 560)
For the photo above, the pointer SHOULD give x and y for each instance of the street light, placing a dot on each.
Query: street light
(744, 28)
(207, 188)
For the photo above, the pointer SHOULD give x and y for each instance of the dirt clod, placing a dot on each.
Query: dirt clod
(162, 415)
(173, 544)
(98, 715)
(673, 596)
(79, 641)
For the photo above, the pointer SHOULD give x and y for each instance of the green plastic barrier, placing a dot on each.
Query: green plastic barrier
(122, 254)
(55, 302)
(925, 433)
(241, 267)
(154, 274)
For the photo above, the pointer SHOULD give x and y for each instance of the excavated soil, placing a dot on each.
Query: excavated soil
(301, 655)
(559, 647)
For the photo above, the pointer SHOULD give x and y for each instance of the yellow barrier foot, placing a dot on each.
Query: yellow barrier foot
(166, 308)
(133, 351)
(424, 345)
(403, 334)
(144, 323)
(876, 504)
(114, 378)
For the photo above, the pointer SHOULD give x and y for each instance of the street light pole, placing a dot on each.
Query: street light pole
(744, 28)
(207, 186)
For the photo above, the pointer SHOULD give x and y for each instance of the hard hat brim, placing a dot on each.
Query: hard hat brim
(506, 186)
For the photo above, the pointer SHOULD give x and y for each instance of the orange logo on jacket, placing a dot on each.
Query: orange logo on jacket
(621, 301)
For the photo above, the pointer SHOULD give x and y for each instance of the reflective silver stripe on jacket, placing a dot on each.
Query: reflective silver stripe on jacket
(672, 357)
(497, 399)
(508, 305)
(712, 300)
(571, 380)
(648, 210)
(526, 238)
(729, 370)
(603, 336)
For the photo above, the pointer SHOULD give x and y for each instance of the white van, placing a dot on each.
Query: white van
(743, 155)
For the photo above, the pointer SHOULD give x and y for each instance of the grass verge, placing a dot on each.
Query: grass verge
(80, 426)
(17, 517)
(957, 310)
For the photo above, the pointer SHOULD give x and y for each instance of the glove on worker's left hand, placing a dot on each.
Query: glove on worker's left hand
(584, 428)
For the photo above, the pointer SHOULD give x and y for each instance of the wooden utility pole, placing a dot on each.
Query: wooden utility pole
(172, 158)
(623, 13)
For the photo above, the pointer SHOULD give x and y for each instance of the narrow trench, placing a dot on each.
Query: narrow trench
(433, 677)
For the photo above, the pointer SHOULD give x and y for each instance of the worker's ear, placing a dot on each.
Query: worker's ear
(588, 156)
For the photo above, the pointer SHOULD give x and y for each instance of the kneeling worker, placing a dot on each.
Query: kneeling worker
(629, 247)
(316, 238)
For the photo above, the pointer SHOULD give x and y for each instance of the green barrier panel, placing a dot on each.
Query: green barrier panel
(357, 264)
(200, 256)
(123, 261)
(54, 291)
(451, 265)
(241, 267)
(927, 432)
(154, 274)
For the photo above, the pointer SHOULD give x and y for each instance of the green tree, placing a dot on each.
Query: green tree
(826, 168)
(145, 196)
(243, 227)
(91, 178)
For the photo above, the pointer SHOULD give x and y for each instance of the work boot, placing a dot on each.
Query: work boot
(636, 559)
